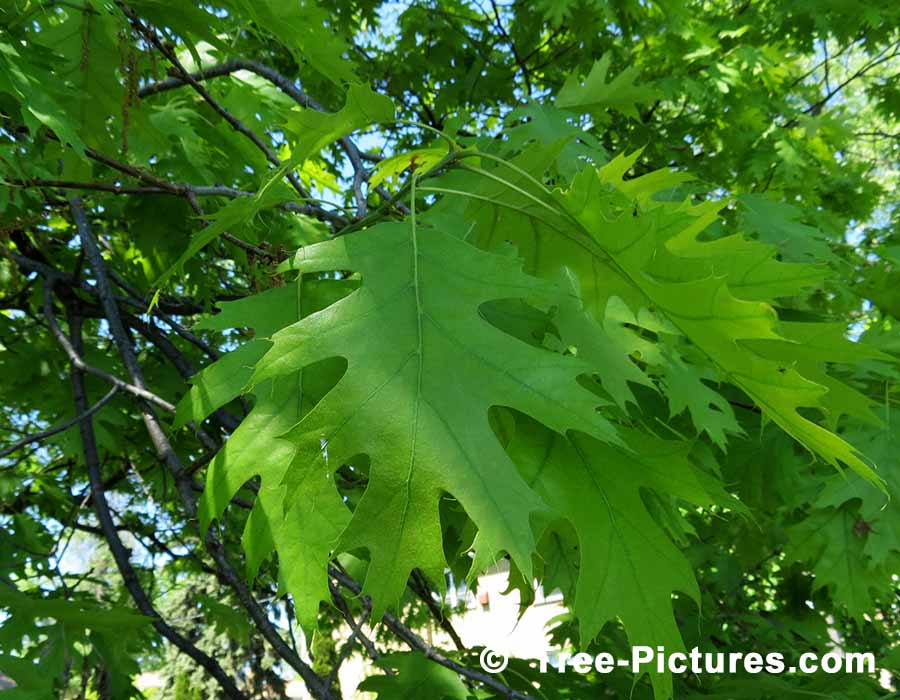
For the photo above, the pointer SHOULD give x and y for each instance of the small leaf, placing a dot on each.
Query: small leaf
(596, 95)
(418, 160)
(416, 677)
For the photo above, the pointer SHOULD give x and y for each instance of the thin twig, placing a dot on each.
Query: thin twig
(279, 80)
(177, 189)
(81, 365)
(284, 84)
(355, 633)
(178, 360)
(419, 585)
(498, 23)
(150, 34)
(415, 642)
(344, 609)
(65, 425)
(144, 302)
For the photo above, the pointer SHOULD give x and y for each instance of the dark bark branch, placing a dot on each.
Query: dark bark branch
(283, 83)
(817, 106)
(177, 81)
(183, 480)
(878, 134)
(180, 307)
(164, 186)
(420, 586)
(110, 533)
(415, 642)
(179, 189)
(279, 80)
(498, 23)
(355, 633)
(144, 302)
(176, 358)
(803, 76)
(226, 420)
(355, 626)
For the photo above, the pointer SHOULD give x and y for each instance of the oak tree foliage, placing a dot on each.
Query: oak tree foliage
(305, 305)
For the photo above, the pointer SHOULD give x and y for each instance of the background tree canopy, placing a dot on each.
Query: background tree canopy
(305, 304)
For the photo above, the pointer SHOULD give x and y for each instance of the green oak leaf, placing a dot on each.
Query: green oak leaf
(238, 211)
(39, 106)
(256, 448)
(832, 540)
(303, 27)
(424, 368)
(420, 159)
(629, 567)
(416, 677)
(878, 517)
(686, 388)
(777, 223)
(655, 245)
(596, 94)
(312, 130)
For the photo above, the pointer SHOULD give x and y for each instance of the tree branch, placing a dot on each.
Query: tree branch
(355, 633)
(150, 34)
(176, 358)
(179, 189)
(279, 80)
(144, 302)
(817, 106)
(76, 360)
(420, 586)
(183, 480)
(65, 425)
(498, 23)
(284, 84)
(415, 642)
(355, 627)
(110, 533)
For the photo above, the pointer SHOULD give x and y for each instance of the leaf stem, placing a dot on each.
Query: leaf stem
(410, 122)
(512, 166)
(508, 184)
